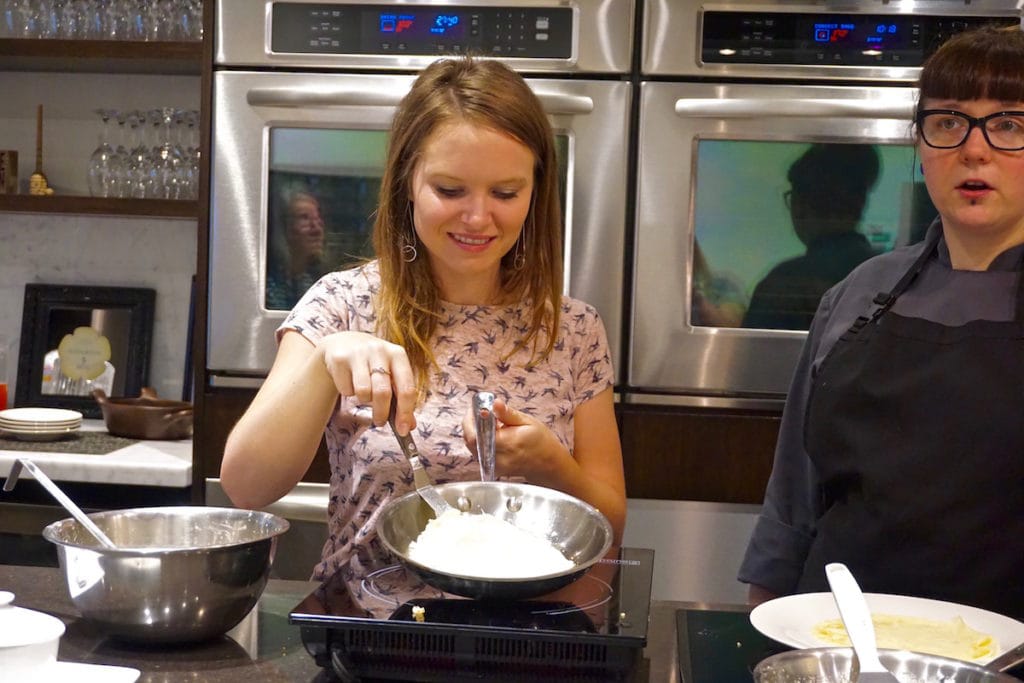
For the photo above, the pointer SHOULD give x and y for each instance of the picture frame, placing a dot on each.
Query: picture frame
(124, 315)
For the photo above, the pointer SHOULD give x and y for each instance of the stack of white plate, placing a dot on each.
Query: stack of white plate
(39, 424)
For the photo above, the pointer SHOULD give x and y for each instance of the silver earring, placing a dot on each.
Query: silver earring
(409, 252)
(519, 258)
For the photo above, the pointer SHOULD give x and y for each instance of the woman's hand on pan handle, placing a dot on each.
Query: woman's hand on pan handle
(370, 370)
(523, 446)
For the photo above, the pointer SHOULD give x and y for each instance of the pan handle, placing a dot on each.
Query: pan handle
(483, 418)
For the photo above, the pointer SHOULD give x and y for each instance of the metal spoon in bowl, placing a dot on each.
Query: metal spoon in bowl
(853, 608)
(48, 484)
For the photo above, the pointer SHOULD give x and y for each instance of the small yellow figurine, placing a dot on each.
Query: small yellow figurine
(37, 183)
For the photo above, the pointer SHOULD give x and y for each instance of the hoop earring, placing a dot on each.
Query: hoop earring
(409, 252)
(519, 257)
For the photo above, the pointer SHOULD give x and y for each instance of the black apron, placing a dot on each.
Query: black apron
(916, 430)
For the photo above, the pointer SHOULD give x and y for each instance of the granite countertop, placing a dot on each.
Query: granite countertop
(143, 463)
(264, 647)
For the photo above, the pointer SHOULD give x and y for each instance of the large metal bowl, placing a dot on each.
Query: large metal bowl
(577, 529)
(838, 665)
(178, 574)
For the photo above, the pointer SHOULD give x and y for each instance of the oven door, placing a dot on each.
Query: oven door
(720, 221)
(325, 134)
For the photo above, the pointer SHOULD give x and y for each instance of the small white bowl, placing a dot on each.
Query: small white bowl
(28, 640)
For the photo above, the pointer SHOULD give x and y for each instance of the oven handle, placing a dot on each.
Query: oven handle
(554, 103)
(804, 108)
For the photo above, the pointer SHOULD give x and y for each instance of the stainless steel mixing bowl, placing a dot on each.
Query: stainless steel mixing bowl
(837, 665)
(577, 529)
(178, 574)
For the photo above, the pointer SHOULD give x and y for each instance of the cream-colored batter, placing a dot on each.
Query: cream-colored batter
(484, 546)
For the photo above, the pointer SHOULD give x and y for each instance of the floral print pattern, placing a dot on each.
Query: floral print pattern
(471, 346)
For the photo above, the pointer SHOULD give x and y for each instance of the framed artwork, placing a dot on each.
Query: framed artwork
(104, 335)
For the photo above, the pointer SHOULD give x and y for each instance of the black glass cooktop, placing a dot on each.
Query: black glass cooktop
(392, 626)
(719, 647)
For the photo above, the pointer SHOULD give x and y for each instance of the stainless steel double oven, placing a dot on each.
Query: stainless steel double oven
(775, 152)
(303, 95)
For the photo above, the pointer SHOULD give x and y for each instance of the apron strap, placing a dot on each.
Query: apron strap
(883, 301)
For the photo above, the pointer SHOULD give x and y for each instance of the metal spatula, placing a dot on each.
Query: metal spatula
(853, 608)
(424, 486)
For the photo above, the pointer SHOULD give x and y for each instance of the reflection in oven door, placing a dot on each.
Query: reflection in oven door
(754, 199)
(296, 168)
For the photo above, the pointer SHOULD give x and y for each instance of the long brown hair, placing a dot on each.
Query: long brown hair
(489, 94)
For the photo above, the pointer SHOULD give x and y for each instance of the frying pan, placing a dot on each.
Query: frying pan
(839, 665)
(576, 528)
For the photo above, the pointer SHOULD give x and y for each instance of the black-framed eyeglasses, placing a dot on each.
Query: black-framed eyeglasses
(947, 128)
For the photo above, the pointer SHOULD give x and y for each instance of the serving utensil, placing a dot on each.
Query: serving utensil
(424, 485)
(55, 491)
(483, 418)
(853, 609)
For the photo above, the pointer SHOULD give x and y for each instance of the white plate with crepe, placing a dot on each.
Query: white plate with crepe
(792, 619)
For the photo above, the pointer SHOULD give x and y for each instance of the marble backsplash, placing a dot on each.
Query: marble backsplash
(102, 251)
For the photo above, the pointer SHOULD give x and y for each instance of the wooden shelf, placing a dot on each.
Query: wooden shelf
(101, 56)
(104, 206)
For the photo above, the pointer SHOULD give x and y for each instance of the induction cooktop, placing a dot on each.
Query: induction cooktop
(390, 625)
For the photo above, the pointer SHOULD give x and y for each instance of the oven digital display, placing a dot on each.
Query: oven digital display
(878, 35)
(411, 26)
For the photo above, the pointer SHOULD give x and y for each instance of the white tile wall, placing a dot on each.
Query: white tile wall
(105, 251)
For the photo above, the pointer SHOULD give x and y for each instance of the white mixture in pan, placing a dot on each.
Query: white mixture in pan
(484, 546)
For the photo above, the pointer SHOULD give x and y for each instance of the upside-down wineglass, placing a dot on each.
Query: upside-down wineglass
(104, 163)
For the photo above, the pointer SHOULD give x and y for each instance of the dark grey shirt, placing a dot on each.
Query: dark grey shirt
(786, 525)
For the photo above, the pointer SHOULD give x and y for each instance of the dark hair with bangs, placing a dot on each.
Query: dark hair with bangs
(984, 63)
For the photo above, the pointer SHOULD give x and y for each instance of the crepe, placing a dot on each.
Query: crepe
(950, 638)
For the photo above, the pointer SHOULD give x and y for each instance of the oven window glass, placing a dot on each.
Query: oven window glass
(321, 194)
(323, 187)
(778, 223)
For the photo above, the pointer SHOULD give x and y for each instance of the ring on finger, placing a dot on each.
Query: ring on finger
(379, 371)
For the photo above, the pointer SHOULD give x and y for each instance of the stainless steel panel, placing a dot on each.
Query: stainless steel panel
(697, 546)
(671, 35)
(602, 42)
(594, 115)
(667, 353)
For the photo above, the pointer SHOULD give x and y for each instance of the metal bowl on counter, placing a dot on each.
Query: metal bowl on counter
(839, 665)
(576, 528)
(177, 574)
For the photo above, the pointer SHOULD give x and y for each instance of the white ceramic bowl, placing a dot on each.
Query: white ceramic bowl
(28, 641)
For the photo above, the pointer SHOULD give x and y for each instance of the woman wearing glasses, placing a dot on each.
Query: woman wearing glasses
(901, 451)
